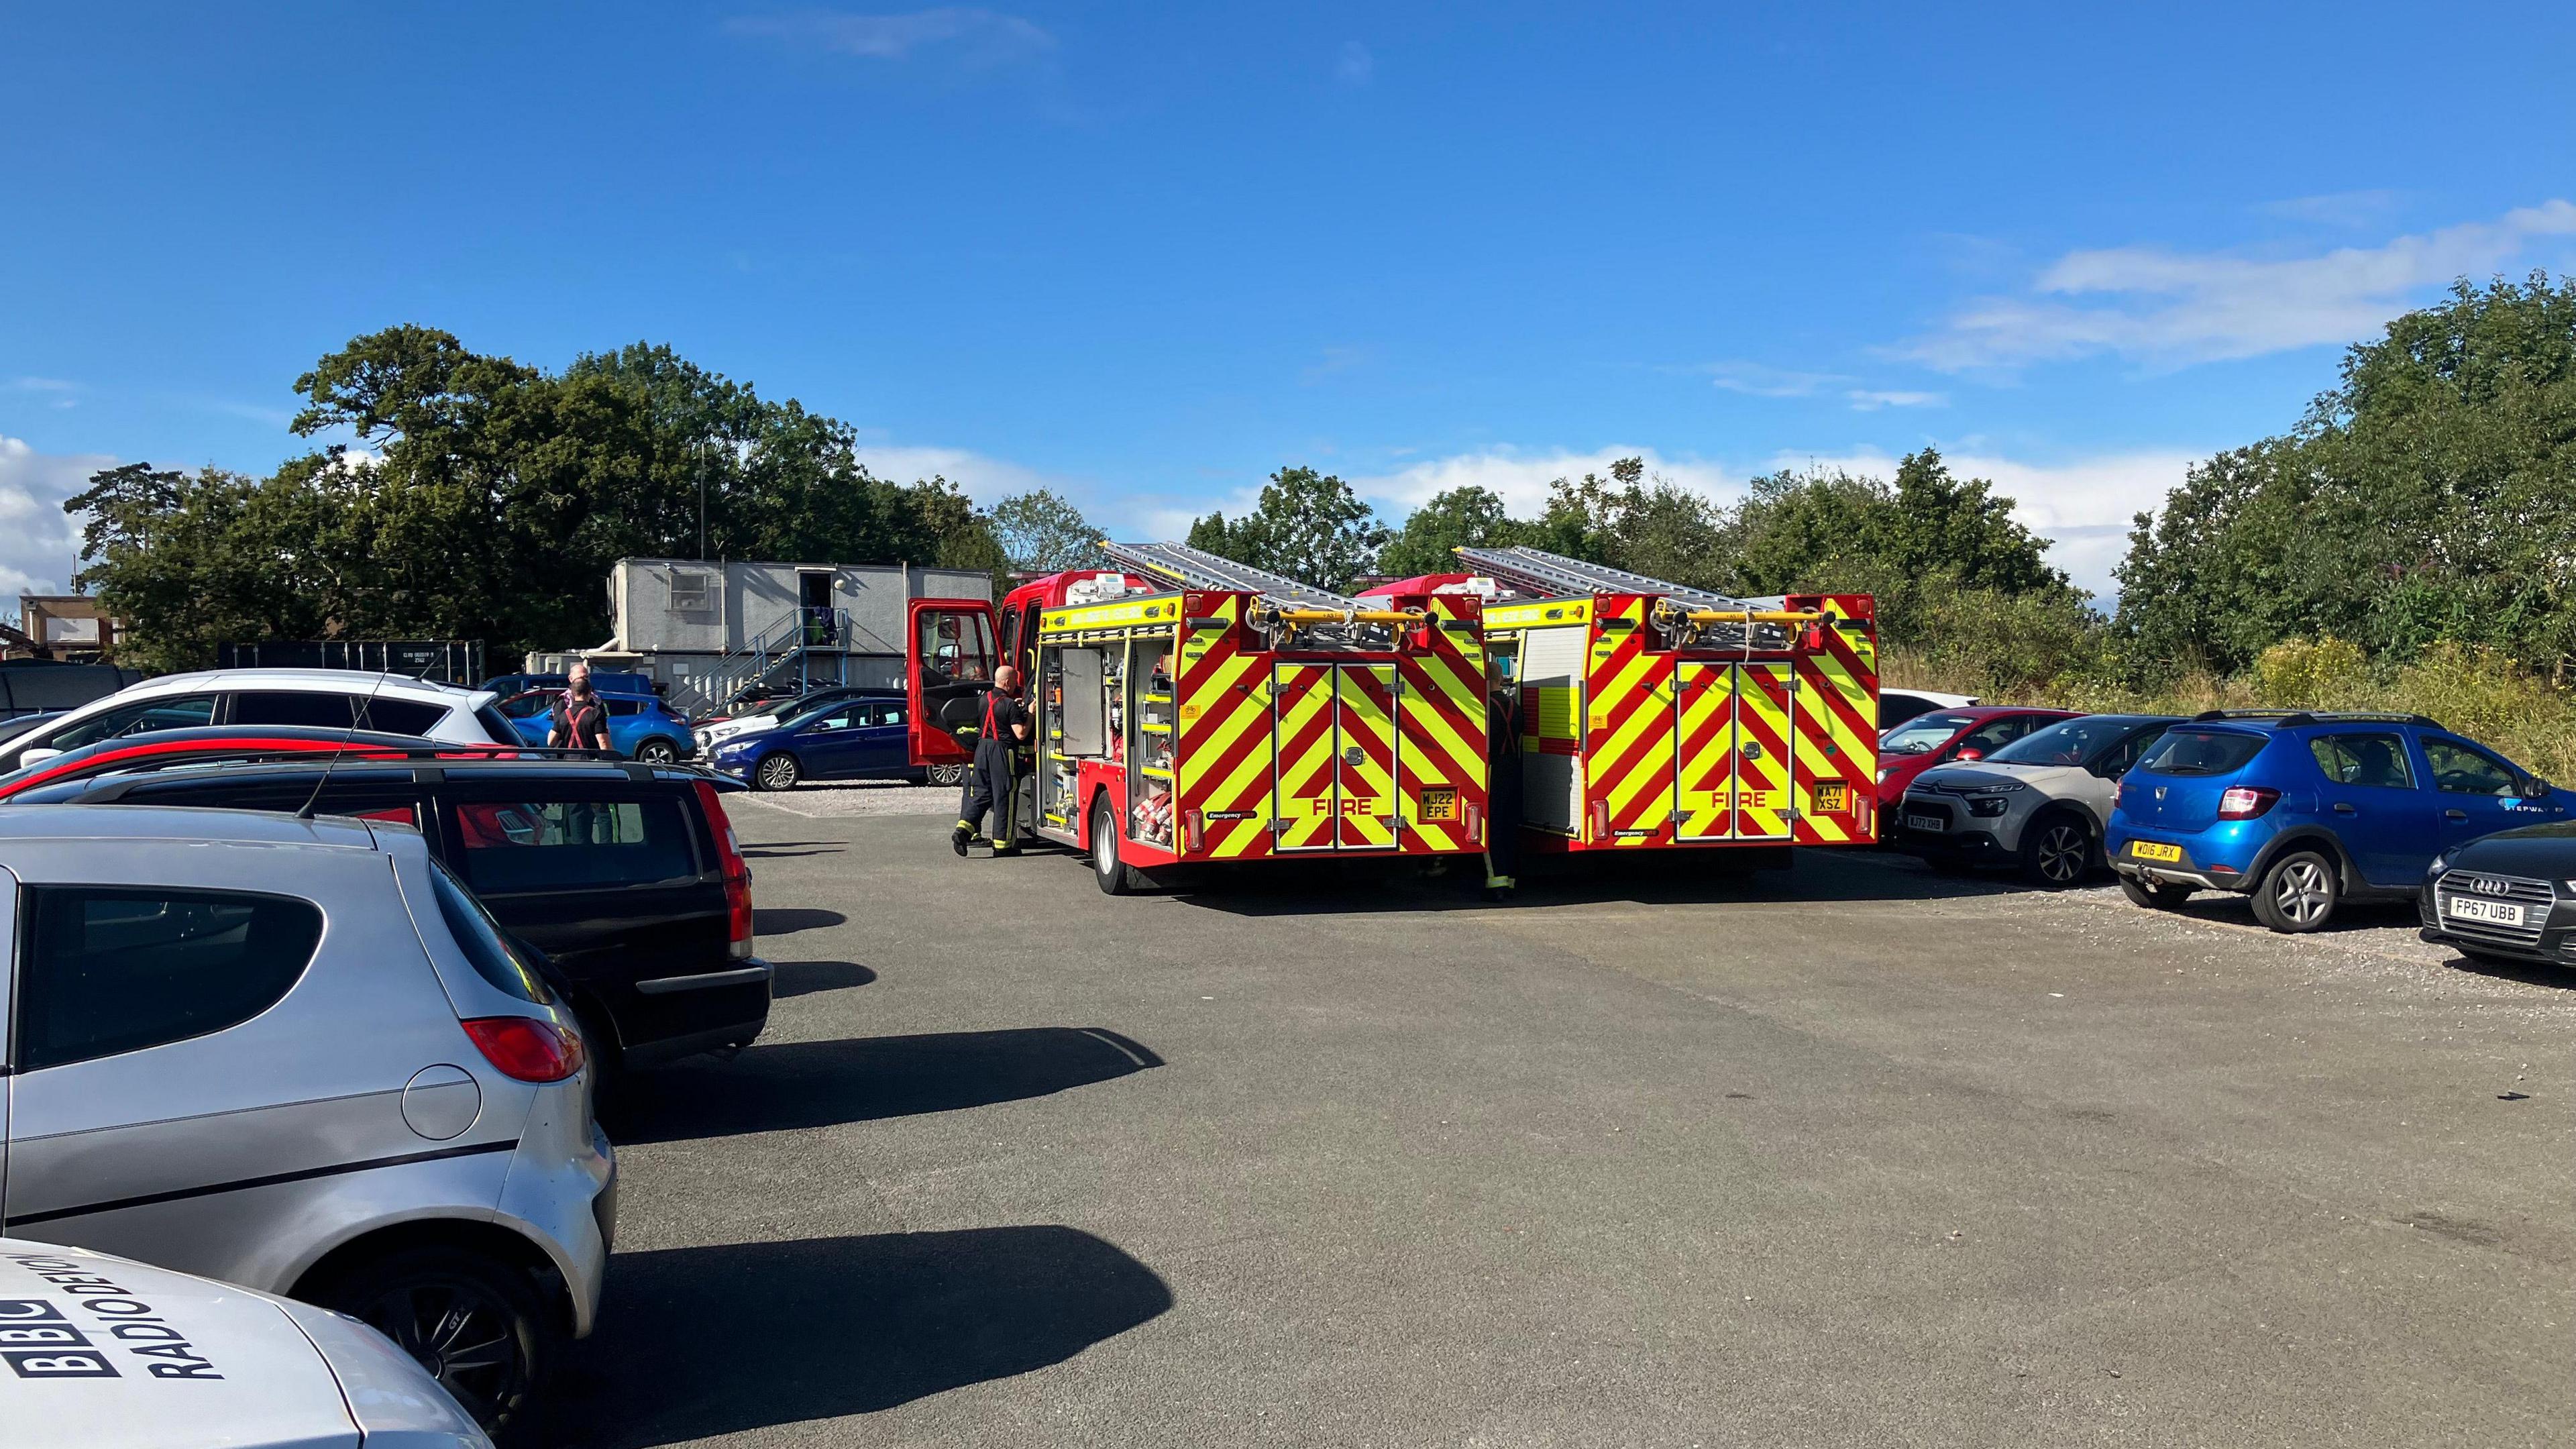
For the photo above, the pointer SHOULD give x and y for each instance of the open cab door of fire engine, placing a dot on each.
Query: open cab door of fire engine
(948, 665)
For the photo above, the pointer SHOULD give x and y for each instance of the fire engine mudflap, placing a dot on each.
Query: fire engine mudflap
(1191, 710)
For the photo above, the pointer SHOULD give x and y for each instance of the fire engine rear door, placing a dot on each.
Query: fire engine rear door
(1364, 758)
(1302, 745)
(1762, 734)
(1704, 750)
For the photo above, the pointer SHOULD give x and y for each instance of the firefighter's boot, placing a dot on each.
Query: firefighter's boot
(961, 837)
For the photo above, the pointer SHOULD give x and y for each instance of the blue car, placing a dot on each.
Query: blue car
(2304, 811)
(640, 726)
(605, 681)
(845, 739)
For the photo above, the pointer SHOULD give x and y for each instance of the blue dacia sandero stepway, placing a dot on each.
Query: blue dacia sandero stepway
(2303, 811)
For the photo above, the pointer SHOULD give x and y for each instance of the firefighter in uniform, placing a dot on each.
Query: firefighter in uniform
(1502, 791)
(993, 785)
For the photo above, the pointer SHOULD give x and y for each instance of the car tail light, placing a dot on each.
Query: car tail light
(737, 874)
(2244, 802)
(525, 1048)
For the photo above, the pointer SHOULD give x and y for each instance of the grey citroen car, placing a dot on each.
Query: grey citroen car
(296, 1055)
(2039, 804)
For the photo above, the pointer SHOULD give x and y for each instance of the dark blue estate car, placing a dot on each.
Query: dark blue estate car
(860, 738)
(2303, 811)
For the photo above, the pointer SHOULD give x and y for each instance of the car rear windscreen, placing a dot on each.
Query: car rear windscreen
(2187, 751)
(540, 844)
(2068, 742)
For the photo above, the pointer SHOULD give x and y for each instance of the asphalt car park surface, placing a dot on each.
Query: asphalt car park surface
(1853, 1154)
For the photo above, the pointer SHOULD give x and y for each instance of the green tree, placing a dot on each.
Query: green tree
(1042, 532)
(1469, 516)
(2430, 495)
(489, 499)
(1307, 525)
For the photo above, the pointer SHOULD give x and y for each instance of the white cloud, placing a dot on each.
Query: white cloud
(1866, 400)
(1521, 478)
(39, 543)
(2083, 506)
(56, 392)
(2174, 308)
(1354, 66)
(987, 480)
(1755, 379)
(2349, 209)
(973, 34)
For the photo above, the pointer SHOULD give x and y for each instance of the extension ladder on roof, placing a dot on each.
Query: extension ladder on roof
(1196, 568)
(1534, 570)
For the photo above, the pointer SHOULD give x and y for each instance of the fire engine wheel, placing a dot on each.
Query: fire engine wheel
(948, 774)
(1116, 877)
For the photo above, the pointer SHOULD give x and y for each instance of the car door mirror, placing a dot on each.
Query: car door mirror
(34, 753)
(1967, 752)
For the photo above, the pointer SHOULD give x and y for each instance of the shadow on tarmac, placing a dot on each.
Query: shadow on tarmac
(1326, 887)
(700, 1342)
(788, 920)
(821, 1083)
(792, 849)
(805, 978)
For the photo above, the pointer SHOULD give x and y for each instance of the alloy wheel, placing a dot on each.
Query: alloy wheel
(465, 1338)
(2303, 894)
(778, 772)
(656, 752)
(2062, 853)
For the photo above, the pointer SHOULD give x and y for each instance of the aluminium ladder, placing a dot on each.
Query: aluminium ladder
(1538, 571)
(1196, 568)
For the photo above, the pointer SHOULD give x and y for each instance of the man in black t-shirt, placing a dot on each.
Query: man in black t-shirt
(993, 784)
(580, 715)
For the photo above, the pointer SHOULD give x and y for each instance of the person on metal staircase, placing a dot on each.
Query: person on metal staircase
(993, 784)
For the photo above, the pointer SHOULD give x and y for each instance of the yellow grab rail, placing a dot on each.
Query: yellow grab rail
(1347, 616)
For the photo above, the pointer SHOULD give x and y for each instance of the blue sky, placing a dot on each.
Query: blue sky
(1145, 254)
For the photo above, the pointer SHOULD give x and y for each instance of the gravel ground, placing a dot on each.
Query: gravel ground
(855, 797)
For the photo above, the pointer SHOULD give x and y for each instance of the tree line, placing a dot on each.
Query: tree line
(2424, 502)
(486, 499)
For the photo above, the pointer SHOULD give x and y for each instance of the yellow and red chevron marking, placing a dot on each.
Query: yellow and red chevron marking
(1838, 692)
(1441, 739)
(1221, 765)
(1704, 758)
(1628, 744)
(1763, 751)
(1364, 764)
(1302, 737)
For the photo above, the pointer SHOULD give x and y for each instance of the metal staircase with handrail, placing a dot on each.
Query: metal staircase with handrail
(802, 633)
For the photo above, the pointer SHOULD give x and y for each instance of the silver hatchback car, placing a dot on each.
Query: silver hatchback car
(294, 1054)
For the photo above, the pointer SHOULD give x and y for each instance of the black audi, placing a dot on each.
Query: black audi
(2506, 897)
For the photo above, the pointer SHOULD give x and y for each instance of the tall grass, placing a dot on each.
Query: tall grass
(2474, 690)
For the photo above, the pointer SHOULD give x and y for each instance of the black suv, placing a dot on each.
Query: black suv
(626, 876)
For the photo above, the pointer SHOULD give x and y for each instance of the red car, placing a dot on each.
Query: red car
(216, 744)
(1944, 735)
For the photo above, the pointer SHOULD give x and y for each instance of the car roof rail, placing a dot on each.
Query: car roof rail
(2254, 716)
(2295, 718)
